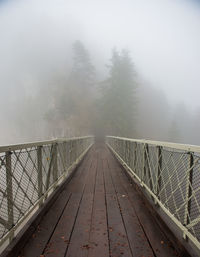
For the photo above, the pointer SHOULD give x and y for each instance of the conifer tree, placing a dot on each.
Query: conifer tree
(83, 71)
(73, 96)
(119, 96)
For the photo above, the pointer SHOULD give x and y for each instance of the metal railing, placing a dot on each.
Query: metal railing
(170, 174)
(29, 173)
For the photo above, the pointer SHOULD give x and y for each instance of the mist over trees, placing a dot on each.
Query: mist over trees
(118, 101)
(79, 101)
(53, 85)
(81, 105)
(71, 112)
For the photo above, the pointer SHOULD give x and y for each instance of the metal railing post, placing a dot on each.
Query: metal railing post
(70, 153)
(148, 169)
(76, 146)
(158, 178)
(30, 172)
(9, 191)
(39, 164)
(55, 163)
(188, 192)
(143, 175)
(175, 169)
(65, 155)
(135, 160)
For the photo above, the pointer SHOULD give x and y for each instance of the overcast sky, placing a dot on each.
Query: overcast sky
(163, 37)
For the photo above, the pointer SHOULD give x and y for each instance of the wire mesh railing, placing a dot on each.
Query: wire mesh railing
(170, 173)
(29, 173)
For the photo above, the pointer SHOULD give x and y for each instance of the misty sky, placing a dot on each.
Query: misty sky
(163, 37)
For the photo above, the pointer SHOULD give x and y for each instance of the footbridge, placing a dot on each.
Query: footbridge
(81, 197)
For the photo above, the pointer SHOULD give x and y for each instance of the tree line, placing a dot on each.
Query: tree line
(81, 100)
(82, 105)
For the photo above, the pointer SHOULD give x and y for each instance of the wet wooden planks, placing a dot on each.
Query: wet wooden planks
(98, 214)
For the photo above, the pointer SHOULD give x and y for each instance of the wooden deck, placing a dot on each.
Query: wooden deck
(98, 214)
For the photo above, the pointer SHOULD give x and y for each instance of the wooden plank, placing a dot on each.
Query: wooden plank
(98, 214)
(137, 239)
(98, 240)
(37, 243)
(160, 244)
(119, 244)
(60, 238)
(79, 242)
(109, 189)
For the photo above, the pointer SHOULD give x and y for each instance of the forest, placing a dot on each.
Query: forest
(81, 102)
(65, 76)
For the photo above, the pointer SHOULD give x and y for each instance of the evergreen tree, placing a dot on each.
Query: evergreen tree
(74, 96)
(81, 86)
(83, 71)
(78, 90)
(119, 96)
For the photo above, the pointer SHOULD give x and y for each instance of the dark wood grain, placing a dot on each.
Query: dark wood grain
(119, 242)
(99, 214)
(98, 240)
(79, 243)
(59, 241)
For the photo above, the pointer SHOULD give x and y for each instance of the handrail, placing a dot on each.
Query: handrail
(12, 147)
(170, 175)
(30, 173)
(177, 146)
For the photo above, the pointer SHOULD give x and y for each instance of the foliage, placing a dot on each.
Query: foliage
(75, 110)
(73, 96)
(119, 96)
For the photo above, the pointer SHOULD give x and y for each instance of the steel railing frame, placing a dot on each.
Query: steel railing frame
(30, 173)
(173, 190)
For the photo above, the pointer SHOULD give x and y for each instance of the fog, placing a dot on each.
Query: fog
(41, 96)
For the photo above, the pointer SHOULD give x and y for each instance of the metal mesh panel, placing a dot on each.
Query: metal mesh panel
(171, 175)
(152, 163)
(3, 195)
(173, 186)
(24, 181)
(29, 172)
(195, 209)
(139, 160)
(46, 164)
